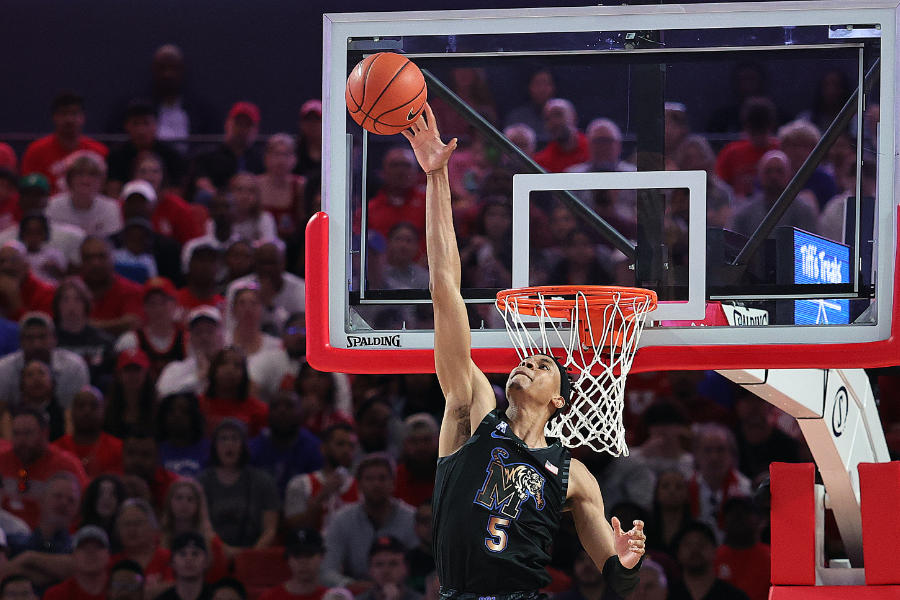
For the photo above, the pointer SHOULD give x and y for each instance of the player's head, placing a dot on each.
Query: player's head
(540, 378)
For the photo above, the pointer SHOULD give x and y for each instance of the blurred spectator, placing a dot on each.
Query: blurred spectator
(832, 220)
(90, 559)
(421, 558)
(126, 581)
(8, 159)
(37, 392)
(653, 584)
(220, 227)
(210, 172)
(400, 197)
(567, 146)
(183, 448)
(304, 552)
(204, 264)
(190, 560)
(580, 265)
(138, 533)
(33, 199)
(541, 88)
(205, 339)
(101, 501)
(587, 581)
(48, 154)
(325, 398)
(228, 588)
(171, 215)
(162, 338)
(285, 448)
(20, 290)
(748, 80)
(130, 399)
(309, 140)
(742, 560)
(696, 550)
(185, 509)
(487, 257)
(774, 175)
(180, 113)
(677, 127)
(378, 427)
(247, 323)
(798, 139)
(522, 136)
(717, 478)
(737, 162)
(38, 340)
(388, 570)
(228, 392)
(251, 222)
(671, 511)
(312, 498)
(668, 436)
(238, 260)
(145, 246)
(140, 457)
(243, 501)
(17, 587)
(98, 451)
(133, 255)
(82, 204)
(277, 369)
(470, 84)
(282, 293)
(604, 149)
(401, 271)
(141, 125)
(116, 301)
(9, 337)
(281, 192)
(695, 154)
(354, 528)
(759, 441)
(418, 460)
(48, 262)
(832, 93)
(9, 195)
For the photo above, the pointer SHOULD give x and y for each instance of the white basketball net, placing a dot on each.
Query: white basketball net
(597, 352)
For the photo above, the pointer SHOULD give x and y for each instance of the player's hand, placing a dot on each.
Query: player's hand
(425, 139)
(629, 544)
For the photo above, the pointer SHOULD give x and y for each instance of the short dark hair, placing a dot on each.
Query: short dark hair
(139, 107)
(65, 99)
(198, 423)
(189, 538)
(376, 459)
(39, 415)
(127, 564)
(40, 218)
(229, 583)
(329, 431)
(13, 579)
(229, 423)
(694, 527)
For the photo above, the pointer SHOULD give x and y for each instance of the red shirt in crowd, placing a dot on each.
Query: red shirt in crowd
(159, 487)
(253, 412)
(122, 298)
(47, 156)
(748, 569)
(70, 590)
(174, 218)
(281, 593)
(736, 164)
(37, 294)
(386, 210)
(218, 564)
(103, 456)
(188, 301)
(411, 490)
(23, 486)
(556, 159)
(155, 571)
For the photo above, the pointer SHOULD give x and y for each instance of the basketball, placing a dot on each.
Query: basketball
(385, 93)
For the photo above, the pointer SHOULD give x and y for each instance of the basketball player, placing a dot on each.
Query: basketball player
(501, 486)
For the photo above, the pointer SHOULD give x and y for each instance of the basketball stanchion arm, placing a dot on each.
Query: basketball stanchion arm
(836, 412)
(595, 221)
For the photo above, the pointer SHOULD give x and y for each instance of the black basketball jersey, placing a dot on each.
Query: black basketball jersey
(497, 505)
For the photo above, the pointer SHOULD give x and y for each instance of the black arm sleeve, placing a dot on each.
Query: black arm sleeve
(621, 580)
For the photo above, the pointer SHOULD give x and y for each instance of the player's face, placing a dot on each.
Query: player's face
(537, 376)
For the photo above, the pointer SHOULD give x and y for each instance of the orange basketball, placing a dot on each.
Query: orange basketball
(385, 93)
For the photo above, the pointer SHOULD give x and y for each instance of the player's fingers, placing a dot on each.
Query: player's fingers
(452, 144)
(638, 524)
(405, 133)
(616, 525)
(430, 114)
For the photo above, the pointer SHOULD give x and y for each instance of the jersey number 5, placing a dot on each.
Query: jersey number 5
(498, 540)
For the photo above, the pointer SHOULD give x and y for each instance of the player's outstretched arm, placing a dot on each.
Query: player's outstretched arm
(467, 391)
(616, 552)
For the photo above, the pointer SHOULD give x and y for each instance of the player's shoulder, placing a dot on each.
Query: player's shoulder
(582, 482)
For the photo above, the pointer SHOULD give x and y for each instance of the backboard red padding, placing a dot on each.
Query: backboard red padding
(879, 486)
(793, 523)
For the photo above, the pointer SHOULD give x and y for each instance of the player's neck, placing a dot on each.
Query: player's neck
(528, 425)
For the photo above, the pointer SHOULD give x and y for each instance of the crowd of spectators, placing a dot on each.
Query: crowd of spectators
(162, 436)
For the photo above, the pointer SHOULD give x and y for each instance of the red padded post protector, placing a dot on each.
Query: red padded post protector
(793, 523)
(879, 486)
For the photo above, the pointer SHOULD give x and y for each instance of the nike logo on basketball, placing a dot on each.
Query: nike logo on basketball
(411, 115)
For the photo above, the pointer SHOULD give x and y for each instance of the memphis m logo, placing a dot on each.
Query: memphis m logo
(506, 487)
